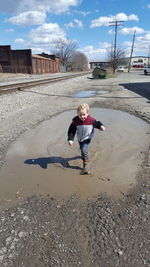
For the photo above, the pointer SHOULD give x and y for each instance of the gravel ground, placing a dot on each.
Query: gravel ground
(48, 231)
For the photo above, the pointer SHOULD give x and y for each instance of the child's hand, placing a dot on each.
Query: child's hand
(102, 128)
(70, 142)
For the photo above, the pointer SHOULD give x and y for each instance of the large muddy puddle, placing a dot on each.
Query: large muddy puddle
(41, 162)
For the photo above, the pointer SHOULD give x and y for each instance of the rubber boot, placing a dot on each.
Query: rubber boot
(86, 169)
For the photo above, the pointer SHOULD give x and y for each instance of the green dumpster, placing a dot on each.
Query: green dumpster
(99, 73)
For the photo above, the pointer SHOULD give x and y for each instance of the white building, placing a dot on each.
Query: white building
(140, 60)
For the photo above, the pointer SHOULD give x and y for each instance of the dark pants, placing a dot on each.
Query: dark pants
(84, 149)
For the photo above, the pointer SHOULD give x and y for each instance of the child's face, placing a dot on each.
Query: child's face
(82, 114)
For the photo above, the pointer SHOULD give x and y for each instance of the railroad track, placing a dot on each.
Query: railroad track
(10, 88)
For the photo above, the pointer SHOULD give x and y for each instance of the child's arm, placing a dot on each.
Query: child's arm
(71, 133)
(99, 125)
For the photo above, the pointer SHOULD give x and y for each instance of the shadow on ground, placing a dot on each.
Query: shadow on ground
(43, 162)
(142, 89)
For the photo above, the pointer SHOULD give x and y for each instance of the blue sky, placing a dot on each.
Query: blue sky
(36, 24)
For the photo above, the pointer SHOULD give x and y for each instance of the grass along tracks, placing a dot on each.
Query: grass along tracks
(20, 86)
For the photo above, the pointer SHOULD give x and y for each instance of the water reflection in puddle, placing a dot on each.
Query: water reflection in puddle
(41, 161)
(84, 94)
(102, 92)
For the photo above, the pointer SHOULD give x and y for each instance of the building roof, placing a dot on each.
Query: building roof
(137, 57)
(40, 57)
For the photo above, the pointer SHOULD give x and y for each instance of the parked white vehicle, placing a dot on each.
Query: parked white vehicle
(120, 68)
(147, 70)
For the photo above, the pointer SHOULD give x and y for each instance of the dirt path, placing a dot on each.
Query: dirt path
(48, 230)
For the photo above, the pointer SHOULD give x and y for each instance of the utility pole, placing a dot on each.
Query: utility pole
(115, 24)
(149, 57)
(129, 67)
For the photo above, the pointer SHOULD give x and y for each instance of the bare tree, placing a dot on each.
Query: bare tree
(119, 58)
(64, 48)
(79, 61)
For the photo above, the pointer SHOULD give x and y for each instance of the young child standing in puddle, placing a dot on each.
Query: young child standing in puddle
(83, 124)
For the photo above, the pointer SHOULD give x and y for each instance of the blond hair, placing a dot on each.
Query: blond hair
(83, 106)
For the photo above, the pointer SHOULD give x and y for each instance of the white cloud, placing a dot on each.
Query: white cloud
(105, 45)
(83, 13)
(38, 50)
(69, 25)
(20, 41)
(76, 23)
(132, 17)
(28, 18)
(127, 43)
(101, 21)
(93, 53)
(126, 31)
(104, 21)
(46, 33)
(56, 7)
(141, 45)
(9, 30)
(47, 46)
(145, 37)
(111, 31)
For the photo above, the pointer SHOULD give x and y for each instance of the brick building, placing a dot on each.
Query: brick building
(22, 61)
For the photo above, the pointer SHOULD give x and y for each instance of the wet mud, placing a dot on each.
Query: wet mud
(41, 162)
(62, 218)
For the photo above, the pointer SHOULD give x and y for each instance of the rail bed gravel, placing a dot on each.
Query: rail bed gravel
(100, 232)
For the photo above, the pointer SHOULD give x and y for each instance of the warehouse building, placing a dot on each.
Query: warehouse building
(22, 61)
